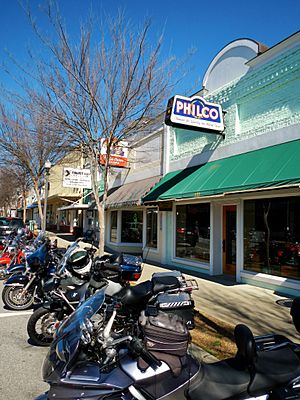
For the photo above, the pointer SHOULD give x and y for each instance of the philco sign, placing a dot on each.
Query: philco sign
(194, 113)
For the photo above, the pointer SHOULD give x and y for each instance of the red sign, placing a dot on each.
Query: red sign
(118, 154)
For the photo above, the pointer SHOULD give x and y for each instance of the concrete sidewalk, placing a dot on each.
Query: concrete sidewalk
(260, 309)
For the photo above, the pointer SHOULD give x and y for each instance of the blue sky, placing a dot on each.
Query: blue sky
(207, 26)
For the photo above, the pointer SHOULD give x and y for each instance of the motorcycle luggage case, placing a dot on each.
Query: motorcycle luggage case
(166, 333)
(179, 304)
(131, 266)
(166, 337)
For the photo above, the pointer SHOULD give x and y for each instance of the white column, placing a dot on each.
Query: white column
(166, 147)
(71, 220)
(239, 239)
(119, 230)
(216, 224)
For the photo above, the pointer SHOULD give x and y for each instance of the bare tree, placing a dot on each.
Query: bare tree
(8, 194)
(101, 90)
(26, 142)
(14, 184)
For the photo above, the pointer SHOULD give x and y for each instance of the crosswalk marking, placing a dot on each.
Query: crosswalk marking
(15, 314)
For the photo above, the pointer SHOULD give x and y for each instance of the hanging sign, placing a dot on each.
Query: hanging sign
(194, 113)
(118, 154)
(77, 178)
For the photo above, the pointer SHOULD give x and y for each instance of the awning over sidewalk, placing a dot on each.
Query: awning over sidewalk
(74, 207)
(33, 205)
(131, 193)
(270, 167)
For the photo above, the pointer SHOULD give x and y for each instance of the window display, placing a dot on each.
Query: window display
(272, 236)
(132, 227)
(193, 232)
(113, 226)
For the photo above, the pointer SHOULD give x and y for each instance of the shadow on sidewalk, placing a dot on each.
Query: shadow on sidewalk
(66, 236)
(71, 238)
(226, 280)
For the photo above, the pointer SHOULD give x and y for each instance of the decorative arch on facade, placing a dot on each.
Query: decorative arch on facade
(231, 63)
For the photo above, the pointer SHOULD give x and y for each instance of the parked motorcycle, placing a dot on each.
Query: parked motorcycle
(114, 272)
(12, 253)
(17, 249)
(88, 359)
(22, 290)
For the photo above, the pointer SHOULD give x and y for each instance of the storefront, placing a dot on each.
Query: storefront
(129, 224)
(233, 202)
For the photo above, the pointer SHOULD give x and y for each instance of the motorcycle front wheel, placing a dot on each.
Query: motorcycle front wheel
(3, 272)
(16, 298)
(41, 327)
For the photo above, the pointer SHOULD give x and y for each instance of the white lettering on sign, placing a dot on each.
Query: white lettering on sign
(195, 112)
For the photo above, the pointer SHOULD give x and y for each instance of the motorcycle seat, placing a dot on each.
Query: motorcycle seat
(268, 369)
(164, 283)
(220, 380)
(135, 295)
(139, 295)
(274, 368)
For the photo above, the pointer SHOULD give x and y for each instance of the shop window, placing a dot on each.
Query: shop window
(152, 227)
(132, 227)
(272, 236)
(113, 226)
(193, 232)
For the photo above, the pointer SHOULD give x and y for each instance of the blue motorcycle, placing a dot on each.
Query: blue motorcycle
(22, 289)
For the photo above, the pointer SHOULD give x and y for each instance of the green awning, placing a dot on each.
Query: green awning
(272, 166)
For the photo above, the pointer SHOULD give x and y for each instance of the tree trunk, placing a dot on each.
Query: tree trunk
(39, 201)
(24, 207)
(100, 206)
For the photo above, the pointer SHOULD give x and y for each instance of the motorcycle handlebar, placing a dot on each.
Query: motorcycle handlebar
(138, 347)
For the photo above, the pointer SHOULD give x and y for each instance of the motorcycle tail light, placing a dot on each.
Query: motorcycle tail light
(136, 276)
(56, 325)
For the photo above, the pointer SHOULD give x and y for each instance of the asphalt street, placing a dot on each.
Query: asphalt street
(20, 362)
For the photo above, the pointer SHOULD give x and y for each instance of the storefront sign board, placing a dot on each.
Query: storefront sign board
(118, 154)
(194, 113)
(77, 178)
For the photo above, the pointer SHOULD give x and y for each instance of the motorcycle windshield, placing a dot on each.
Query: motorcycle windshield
(39, 254)
(66, 343)
(40, 238)
(62, 267)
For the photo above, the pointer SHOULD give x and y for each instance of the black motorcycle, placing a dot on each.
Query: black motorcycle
(62, 297)
(88, 359)
(115, 278)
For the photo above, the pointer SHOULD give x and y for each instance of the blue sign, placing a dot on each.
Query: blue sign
(195, 112)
